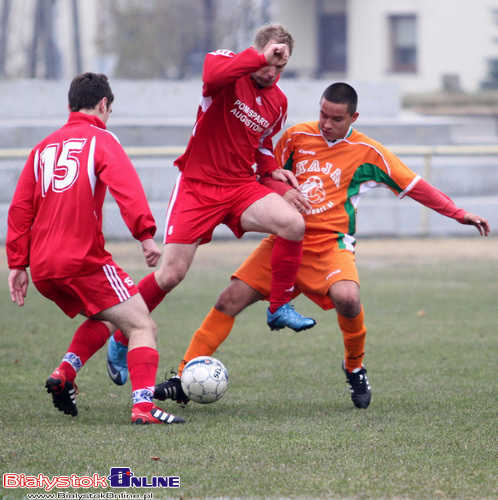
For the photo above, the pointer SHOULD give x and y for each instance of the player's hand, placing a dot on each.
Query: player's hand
(294, 198)
(480, 222)
(277, 53)
(18, 285)
(151, 252)
(280, 174)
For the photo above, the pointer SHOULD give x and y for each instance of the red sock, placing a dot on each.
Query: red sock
(286, 258)
(87, 340)
(142, 365)
(152, 294)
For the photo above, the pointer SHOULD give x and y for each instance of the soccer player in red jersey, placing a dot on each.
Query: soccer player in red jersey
(334, 165)
(241, 109)
(55, 228)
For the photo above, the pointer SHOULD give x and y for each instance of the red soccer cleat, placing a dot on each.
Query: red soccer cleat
(63, 392)
(154, 416)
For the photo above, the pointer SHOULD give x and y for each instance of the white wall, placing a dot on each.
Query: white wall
(456, 37)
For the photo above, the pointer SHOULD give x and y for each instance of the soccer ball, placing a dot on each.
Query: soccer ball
(204, 379)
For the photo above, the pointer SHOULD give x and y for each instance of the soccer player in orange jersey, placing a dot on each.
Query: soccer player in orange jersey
(334, 165)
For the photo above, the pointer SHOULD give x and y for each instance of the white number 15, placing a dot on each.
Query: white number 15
(60, 176)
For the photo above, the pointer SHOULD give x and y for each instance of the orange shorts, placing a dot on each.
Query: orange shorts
(322, 265)
(197, 208)
(91, 293)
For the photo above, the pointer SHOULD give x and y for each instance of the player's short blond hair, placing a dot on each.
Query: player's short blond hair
(273, 31)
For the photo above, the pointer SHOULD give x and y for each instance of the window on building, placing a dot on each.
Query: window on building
(332, 42)
(403, 43)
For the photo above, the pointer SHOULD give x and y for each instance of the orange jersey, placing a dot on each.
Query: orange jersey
(334, 175)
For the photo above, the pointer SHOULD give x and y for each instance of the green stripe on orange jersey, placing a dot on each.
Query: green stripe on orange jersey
(334, 175)
(366, 177)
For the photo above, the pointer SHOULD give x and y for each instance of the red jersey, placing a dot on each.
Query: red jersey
(55, 218)
(236, 121)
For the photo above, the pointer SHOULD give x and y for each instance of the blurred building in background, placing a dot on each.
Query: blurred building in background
(153, 51)
(422, 45)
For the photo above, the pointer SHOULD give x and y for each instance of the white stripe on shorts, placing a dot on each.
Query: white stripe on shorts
(116, 283)
(171, 204)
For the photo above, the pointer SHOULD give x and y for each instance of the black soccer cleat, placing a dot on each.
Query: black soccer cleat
(171, 389)
(358, 386)
(63, 392)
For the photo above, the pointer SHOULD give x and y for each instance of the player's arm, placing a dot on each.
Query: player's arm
(264, 156)
(119, 174)
(429, 196)
(21, 218)
(284, 182)
(224, 67)
(19, 222)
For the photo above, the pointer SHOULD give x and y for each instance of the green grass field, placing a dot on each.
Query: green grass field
(286, 427)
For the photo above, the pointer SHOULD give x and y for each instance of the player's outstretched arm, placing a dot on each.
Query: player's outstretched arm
(479, 222)
(18, 285)
(429, 196)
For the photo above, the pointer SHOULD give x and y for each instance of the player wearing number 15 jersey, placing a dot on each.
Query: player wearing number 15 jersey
(61, 192)
(55, 228)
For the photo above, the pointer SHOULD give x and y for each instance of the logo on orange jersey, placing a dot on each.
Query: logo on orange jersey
(313, 190)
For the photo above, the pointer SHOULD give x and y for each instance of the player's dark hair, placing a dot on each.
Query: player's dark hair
(342, 93)
(273, 31)
(86, 91)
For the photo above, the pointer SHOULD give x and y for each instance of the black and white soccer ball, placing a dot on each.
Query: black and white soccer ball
(204, 379)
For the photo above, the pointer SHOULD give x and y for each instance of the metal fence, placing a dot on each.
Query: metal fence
(468, 174)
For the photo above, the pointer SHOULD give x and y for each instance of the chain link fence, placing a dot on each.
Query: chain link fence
(468, 174)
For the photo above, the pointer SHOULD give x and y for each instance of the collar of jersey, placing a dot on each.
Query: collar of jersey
(337, 141)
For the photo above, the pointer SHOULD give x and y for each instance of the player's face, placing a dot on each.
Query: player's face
(335, 120)
(264, 77)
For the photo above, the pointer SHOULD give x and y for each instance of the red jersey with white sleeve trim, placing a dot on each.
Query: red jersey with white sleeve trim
(55, 218)
(236, 121)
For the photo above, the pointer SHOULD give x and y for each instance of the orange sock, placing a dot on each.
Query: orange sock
(214, 330)
(354, 333)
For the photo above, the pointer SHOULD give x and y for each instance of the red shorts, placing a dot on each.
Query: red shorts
(197, 208)
(323, 264)
(91, 293)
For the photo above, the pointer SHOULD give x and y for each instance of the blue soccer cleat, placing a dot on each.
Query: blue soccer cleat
(286, 316)
(117, 366)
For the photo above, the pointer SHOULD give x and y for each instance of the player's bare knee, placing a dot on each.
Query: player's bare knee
(169, 277)
(228, 301)
(236, 297)
(347, 305)
(293, 228)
